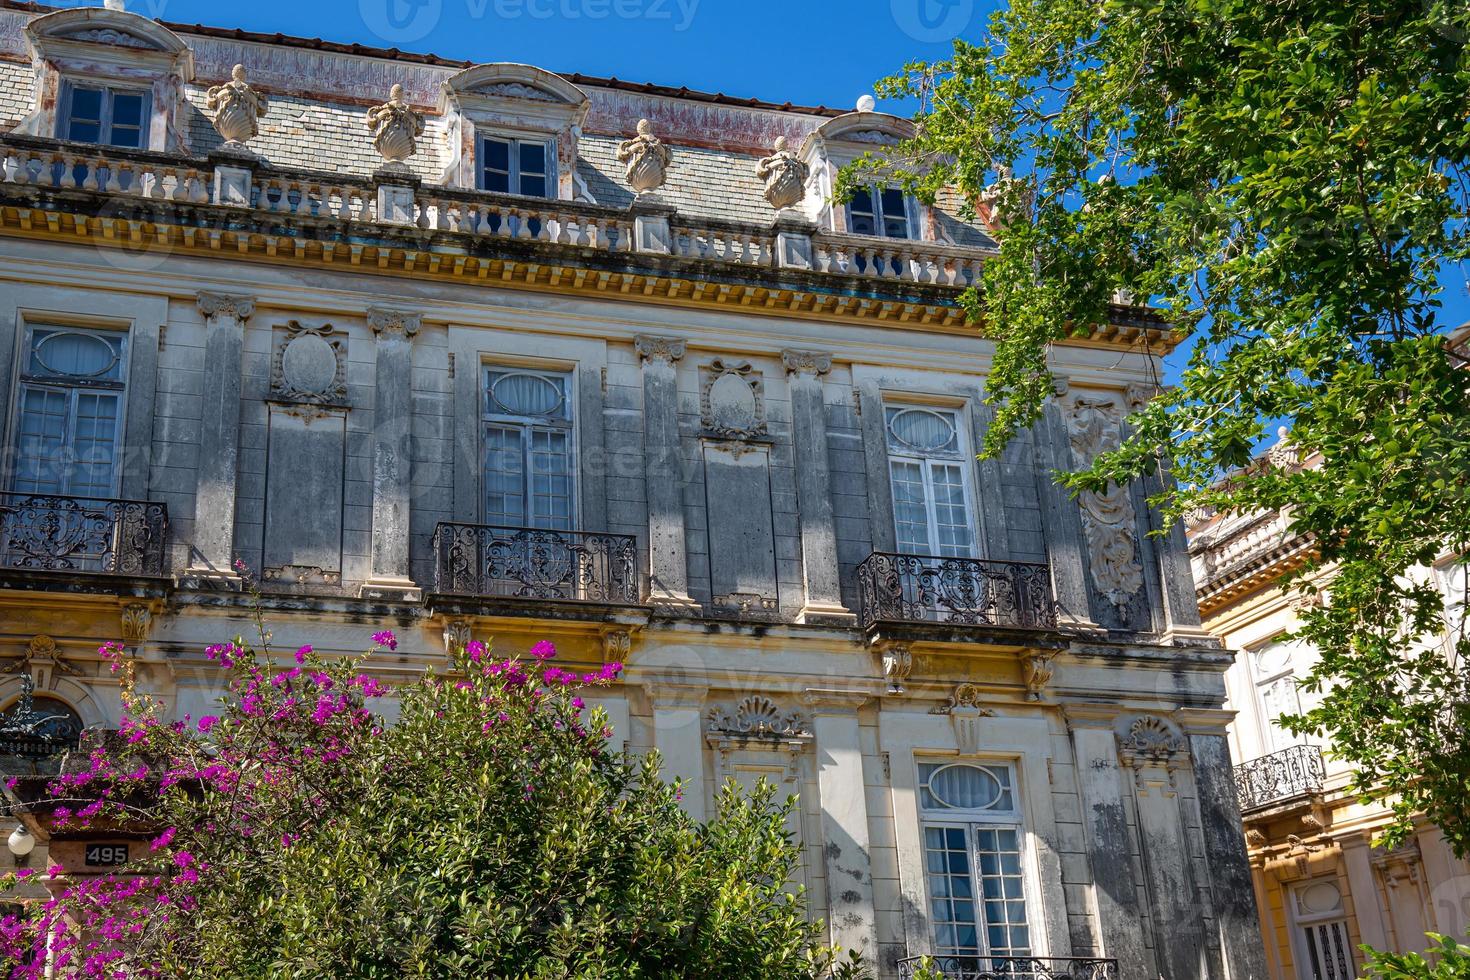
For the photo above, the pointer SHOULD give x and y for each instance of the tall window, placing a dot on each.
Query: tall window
(513, 166)
(973, 848)
(70, 408)
(1273, 670)
(1322, 948)
(528, 449)
(879, 211)
(104, 115)
(929, 469)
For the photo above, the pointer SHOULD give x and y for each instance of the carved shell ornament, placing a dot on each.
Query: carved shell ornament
(396, 127)
(237, 108)
(757, 716)
(784, 175)
(646, 160)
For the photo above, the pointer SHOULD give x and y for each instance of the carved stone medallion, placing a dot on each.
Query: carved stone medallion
(309, 365)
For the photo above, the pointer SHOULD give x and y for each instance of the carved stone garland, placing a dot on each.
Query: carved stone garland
(1109, 523)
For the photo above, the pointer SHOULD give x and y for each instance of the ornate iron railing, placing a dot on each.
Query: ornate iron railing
(1010, 968)
(531, 563)
(968, 591)
(42, 532)
(1279, 776)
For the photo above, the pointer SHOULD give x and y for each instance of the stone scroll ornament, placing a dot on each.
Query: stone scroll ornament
(1109, 524)
(646, 160)
(237, 109)
(396, 127)
(784, 175)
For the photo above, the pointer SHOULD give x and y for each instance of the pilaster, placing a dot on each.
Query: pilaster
(668, 558)
(393, 331)
(846, 832)
(677, 734)
(213, 550)
(804, 373)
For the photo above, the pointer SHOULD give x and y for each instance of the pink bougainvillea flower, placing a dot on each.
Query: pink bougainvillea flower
(385, 638)
(163, 839)
(207, 722)
(544, 650)
(302, 653)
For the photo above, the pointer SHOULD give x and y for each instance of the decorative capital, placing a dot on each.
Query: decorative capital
(898, 664)
(666, 349)
(1037, 668)
(226, 304)
(806, 362)
(394, 323)
(616, 645)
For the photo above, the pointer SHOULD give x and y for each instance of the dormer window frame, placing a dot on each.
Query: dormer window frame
(880, 215)
(109, 89)
(840, 141)
(115, 51)
(517, 104)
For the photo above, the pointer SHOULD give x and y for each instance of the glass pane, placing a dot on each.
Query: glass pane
(85, 122)
(551, 481)
(495, 166)
(895, 214)
(527, 394)
(42, 441)
(951, 911)
(999, 850)
(94, 444)
(533, 159)
(951, 510)
(127, 119)
(861, 218)
(910, 507)
(75, 354)
(965, 787)
(533, 187)
(504, 476)
(922, 430)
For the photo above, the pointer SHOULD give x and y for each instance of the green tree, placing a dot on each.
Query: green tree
(488, 832)
(1287, 179)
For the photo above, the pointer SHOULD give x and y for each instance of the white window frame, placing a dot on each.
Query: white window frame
(1261, 682)
(927, 461)
(529, 424)
(971, 821)
(1304, 923)
(514, 142)
(880, 217)
(109, 92)
(72, 389)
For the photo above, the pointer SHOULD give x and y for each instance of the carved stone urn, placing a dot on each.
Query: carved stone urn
(396, 127)
(785, 177)
(646, 160)
(237, 108)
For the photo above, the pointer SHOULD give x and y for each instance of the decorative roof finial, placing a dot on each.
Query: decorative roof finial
(396, 127)
(866, 103)
(646, 159)
(114, 4)
(237, 109)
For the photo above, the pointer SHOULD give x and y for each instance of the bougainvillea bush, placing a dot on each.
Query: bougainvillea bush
(488, 832)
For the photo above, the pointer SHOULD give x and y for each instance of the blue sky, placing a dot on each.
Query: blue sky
(798, 50)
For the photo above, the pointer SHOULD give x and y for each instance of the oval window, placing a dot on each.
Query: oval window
(79, 355)
(526, 394)
(965, 787)
(922, 430)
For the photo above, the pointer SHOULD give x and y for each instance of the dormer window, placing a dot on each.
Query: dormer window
(517, 166)
(879, 211)
(104, 115)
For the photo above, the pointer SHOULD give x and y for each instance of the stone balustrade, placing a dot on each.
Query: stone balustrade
(250, 185)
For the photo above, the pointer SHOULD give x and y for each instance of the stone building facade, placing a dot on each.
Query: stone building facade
(483, 350)
(1321, 887)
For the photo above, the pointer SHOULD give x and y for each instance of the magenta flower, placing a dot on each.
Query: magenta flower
(385, 638)
(163, 839)
(207, 722)
(303, 653)
(544, 650)
(475, 649)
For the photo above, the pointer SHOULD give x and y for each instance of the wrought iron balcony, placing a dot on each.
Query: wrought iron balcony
(1279, 776)
(42, 532)
(1010, 968)
(961, 591)
(481, 560)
